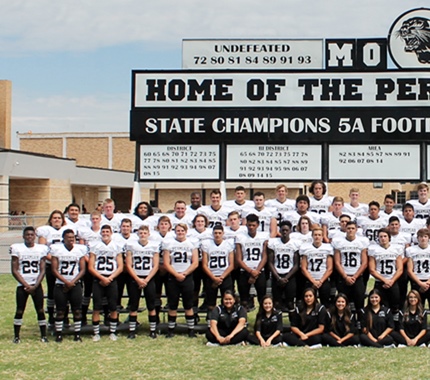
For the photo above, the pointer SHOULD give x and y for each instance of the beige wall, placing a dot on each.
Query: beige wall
(93, 152)
(5, 113)
(123, 154)
(53, 147)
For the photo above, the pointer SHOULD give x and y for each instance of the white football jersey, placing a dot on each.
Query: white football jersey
(317, 258)
(29, 260)
(385, 259)
(105, 256)
(320, 206)
(180, 252)
(218, 255)
(371, 227)
(422, 210)
(68, 261)
(264, 216)
(283, 254)
(142, 256)
(252, 248)
(215, 216)
(421, 260)
(361, 210)
(350, 252)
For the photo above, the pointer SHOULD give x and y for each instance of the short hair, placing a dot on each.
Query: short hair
(72, 205)
(423, 232)
(393, 219)
(215, 192)
(68, 231)
(338, 199)
(218, 227)
(182, 225)
(351, 223)
(96, 212)
(280, 187)
(422, 185)
(180, 202)
(318, 182)
(390, 196)
(259, 194)
(108, 200)
(233, 213)
(354, 190)
(28, 228)
(194, 193)
(374, 203)
(107, 227)
(318, 228)
(126, 220)
(303, 197)
(345, 216)
(407, 205)
(385, 230)
(239, 188)
(251, 218)
(164, 218)
(285, 223)
(143, 227)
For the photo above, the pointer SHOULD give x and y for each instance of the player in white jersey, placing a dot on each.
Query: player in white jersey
(409, 224)
(316, 263)
(196, 203)
(302, 205)
(141, 262)
(143, 215)
(71, 213)
(109, 217)
(68, 266)
(386, 266)
(28, 268)
(422, 204)
(180, 260)
(281, 203)
(419, 265)
(319, 202)
(239, 203)
(217, 263)
(303, 230)
(234, 226)
(215, 212)
(350, 260)
(372, 223)
(330, 220)
(283, 258)
(105, 265)
(265, 214)
(180, 215)
(389, 211)
(251, 257)
(355, 208)
(51, 234)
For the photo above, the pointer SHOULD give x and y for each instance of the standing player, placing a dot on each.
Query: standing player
(422, 204)
(330, 220)
(355, 207)
(281, 203)
(373, 223)
(303, 230)
(419, 265)
(215, 212)
(180, 215)
(350, 260)
(196, 203)
(389, 202)
(109, 217)
(28, 268)
(143, 215)
(284, 265)
(234, 226)
(105, 265)
(409, 224)
(71, 214)
(141, 262)
(217, 263)
(180, 260)
(251, 257)
(317, 265)
(264, 214)
(239, 203)
(68, 266)
(319, 202)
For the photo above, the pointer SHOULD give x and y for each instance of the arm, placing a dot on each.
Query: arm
(119, 269)
(168, 266)
(92, 269)
(239, 259)
(239, 327)
(423, 285)
(263, 260)
(306, 273)
(17, 275)
(274, 228)
(373, 272)
(397, 274)
(57, 274)
(205, 267)
(325, 234)
(214, 330)
(230, 267)
(271, 262)
(363, 266)
(194, 263)
(329, 269)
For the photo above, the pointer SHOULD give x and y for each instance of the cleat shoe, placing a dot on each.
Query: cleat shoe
(152, 335)
(77, 338)
(170, 334)
(16, 340)
(96, 338)
(113, 337)
(192, 334)
(132, 335)
(44, 339)
(59, 338)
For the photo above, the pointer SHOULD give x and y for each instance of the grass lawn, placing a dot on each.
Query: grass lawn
(182, 357)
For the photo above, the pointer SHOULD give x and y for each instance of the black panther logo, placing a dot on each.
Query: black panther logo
(415, 32)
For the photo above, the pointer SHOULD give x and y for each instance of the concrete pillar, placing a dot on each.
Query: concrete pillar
(5, 113)
(4, 202)
(104, 192)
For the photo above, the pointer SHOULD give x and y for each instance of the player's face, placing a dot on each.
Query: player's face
(317, 235)
(142, 210)
(281, 194)
(56, 221)
(268, 305)
(351, 230)
(73, 213)
(69, 240)
(384, 239)
(340, 304)
(302, 206)
(337, 206)
(164, 226)
(423, 241)
(304, 226)
(180, 209)
(180, 232)
(423, 194)
(200, 224)
(318, 191)
(309, 298)
(108, 209)
(259, 202)
(218, 235)
(215, 199)
(394, 227)
(354, 196)
(412, 299)
(29, 238)
(196, 200)
(375, 300)
(143, 234)
(252, 228)
(343, 222)
(408, 213)
(389, 204)
(106, 234)
(95, 220)
(285, 232)
(373, 211)
(125, 229)
(234, 222)
(240, 196)
(228, 301)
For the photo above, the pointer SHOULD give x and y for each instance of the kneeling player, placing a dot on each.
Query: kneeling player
(142, 261)
(68, 266)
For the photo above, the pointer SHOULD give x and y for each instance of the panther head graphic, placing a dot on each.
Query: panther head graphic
(415, 32)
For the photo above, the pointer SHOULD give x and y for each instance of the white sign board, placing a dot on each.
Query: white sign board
(253, 54)
(179, 162)
(374, 162)
(273, 162)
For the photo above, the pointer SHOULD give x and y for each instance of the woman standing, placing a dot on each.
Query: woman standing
(227, 323)
(341, 328)
(268, 325)
(376, 323)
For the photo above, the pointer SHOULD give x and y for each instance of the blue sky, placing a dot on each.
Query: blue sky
(70, 62)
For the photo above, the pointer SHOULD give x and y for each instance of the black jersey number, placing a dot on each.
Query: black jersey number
(217, 262)
(213, 223)
(283, 261)
(67, 268)
(423, 266)
(30, 267)
(105, 263)
(387, 267)
(372, 235)
(179, 257)
(315, 264)
(350, 259)
(253, 254)
(142, 263)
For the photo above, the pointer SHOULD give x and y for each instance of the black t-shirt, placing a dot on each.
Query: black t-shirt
(381, 320)
(412, 326)
(317, 316)
(268, 325)
(228, 320)
(339, 327)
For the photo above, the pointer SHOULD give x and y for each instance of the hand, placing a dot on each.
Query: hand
(105, 281)
(227, 339)
(180, 277)
(283, 281)
(142, 283)
(388, 284)
(252, 280)
(255, 273)
(317, 284)
(217, 282)
(303, 336)
(30, 289)
(349, 281)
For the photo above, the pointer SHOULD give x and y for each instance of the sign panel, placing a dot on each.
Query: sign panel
(374, 162)
(179, 162)
(273, 162)
(252, 54)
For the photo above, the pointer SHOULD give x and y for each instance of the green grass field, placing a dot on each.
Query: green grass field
(182, 357)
